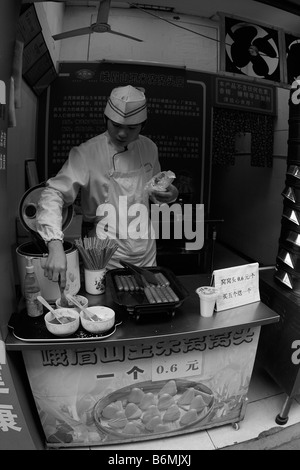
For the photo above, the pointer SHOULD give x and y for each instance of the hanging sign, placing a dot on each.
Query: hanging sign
(238, 285)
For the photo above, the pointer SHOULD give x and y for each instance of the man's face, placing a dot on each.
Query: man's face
(122, 135)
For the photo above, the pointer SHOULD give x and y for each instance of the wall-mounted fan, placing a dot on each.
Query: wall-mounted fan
(251, 50)
(101, 25)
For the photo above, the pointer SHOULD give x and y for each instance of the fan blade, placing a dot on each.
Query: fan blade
(103, 11)
(73, 33)
(125, 35)
(260, 66)
(244, 35)
(240, 55)
(264, 46)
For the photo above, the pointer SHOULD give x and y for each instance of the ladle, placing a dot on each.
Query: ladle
(48, 306)
(85, 310)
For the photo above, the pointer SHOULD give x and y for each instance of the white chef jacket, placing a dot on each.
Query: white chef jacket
(90, 166)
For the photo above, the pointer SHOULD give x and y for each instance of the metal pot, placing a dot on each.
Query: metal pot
(37, 249)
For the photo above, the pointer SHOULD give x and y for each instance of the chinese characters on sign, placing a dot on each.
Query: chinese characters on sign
(237, 286)
(7, 416)
(244, 95)
(135, 352)
(80, 117)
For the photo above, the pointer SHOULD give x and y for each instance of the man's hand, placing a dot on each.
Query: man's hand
(55, 267)
(165, 197)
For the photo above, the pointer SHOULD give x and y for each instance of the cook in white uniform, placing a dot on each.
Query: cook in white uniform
(106, 168)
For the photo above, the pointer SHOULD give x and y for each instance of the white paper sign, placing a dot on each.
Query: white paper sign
(2, 352)
(2, 92)
(238, 285)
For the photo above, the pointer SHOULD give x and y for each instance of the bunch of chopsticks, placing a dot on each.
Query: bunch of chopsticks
(95, 252)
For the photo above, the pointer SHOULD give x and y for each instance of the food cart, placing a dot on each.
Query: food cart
(153, 378)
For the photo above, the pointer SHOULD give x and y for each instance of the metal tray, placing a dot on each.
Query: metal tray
(136, 302)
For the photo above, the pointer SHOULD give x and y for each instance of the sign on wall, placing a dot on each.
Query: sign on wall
(244, 95)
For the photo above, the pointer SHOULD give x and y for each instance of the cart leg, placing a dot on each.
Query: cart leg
(283, 417)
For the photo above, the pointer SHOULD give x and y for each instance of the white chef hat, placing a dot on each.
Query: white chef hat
(126, 105)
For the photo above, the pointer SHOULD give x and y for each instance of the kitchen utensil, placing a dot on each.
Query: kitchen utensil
(63, 298)
(95, 252)
(136, 302)
(48, 306)
(70, 325)
(85, 310)
(49, 289)
(37, 331)
(148, 276)
(37, 249)
(80, 298)
(105, 319)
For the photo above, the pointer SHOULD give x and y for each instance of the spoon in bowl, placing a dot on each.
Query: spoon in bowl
(48, 306)
(90, 315)
(63, 299)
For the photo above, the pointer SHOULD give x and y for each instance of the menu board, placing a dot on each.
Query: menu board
(177, 122)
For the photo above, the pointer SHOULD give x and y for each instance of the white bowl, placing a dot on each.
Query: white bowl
(80, 298)
(106, 319)
(62, 329)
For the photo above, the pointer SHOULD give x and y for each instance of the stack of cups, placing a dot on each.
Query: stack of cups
(208, 296)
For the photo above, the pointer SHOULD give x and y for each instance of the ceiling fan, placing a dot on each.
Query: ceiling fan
(101, 25)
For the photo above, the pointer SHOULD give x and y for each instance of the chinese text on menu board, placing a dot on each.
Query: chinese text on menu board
(244, 95)
(81, 118)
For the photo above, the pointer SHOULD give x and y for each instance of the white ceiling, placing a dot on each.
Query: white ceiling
(277, 13)
(193, 7)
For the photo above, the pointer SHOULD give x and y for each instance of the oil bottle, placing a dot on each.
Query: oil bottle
(31, 291)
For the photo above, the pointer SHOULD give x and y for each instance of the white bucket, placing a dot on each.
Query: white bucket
(49, 289)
